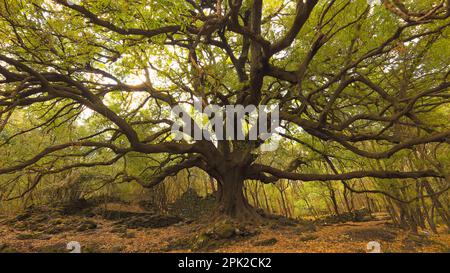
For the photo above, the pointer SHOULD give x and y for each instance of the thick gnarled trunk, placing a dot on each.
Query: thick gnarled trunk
(231, 200)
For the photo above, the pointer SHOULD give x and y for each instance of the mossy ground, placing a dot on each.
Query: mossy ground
(34, 233)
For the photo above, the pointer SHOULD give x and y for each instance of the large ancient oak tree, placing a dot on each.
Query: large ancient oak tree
(358, 77)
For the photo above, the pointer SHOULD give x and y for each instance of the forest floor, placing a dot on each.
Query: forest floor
(48, 231)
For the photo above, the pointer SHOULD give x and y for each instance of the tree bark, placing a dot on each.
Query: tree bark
(437, 203)
(232, 202)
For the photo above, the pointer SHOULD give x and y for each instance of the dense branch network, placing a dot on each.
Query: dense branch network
(341, 100)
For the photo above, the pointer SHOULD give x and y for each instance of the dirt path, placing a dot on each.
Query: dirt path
(346, 238)
(107, 237)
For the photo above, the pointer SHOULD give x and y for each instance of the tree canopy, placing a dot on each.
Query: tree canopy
(90, 84)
